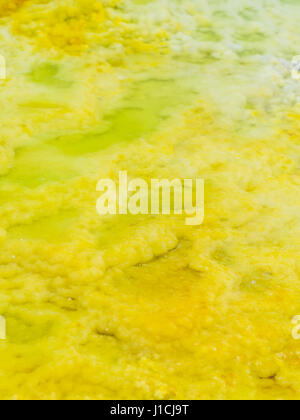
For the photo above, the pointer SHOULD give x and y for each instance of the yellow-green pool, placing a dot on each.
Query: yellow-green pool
(146, 307)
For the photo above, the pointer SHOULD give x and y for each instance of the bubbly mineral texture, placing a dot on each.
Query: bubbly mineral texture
(145, 307)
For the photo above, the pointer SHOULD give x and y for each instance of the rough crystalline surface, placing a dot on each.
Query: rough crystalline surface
(145, 307)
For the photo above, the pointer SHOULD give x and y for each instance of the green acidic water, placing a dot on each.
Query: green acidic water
(148, 105)
(50, 229)
(48, 74)
(37, 165)
(143, 111)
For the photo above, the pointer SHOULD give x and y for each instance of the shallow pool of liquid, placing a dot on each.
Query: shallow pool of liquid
(147, 107)
(145, 307)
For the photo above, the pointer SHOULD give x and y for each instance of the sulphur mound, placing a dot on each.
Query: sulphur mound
(145, 307)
